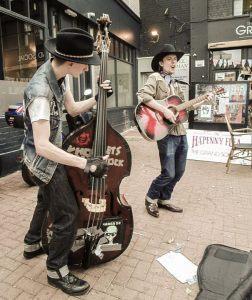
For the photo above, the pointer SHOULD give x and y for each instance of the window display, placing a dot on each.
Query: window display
(233, 102)
(232, 65)
(242, 7)
(224, 76)
(22, 49)
(227, 59)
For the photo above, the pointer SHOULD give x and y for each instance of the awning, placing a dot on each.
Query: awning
(230, 44)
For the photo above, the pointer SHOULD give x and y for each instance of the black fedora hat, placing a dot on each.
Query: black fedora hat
(167, 49)
(75, 45)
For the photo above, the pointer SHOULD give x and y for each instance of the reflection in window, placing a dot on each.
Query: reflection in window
(111, 76)
(124, 83)
(117, 51)
(19, 6)
(36, 10)
(23, 50)
(112, 46)
(54, 23)
(242, 7)
(247, 6)
(4, 3)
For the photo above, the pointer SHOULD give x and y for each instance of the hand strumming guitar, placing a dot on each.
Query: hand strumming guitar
(169, 115)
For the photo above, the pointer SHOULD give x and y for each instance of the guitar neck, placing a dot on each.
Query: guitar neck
(190, 103)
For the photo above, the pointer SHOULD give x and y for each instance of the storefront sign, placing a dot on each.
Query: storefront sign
(244, 30)
(212, 145)
(229, 33)
(30, 56)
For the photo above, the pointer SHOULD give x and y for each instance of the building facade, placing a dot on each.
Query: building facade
(26, 24)
(221, 54)
(164, 22)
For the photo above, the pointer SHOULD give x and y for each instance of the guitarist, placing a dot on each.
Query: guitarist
(173, 147)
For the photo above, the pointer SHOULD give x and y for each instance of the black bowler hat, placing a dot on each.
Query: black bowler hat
(75, 45)
(168, 49)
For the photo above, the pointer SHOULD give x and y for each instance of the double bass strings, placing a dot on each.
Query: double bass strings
(98, 184)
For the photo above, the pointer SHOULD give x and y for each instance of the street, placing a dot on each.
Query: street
(217, 209)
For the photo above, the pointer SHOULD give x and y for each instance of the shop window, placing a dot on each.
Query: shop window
(111, 102)
(23, 50)
(19, 6)
(242, 7)
(36, 10)
(85, 83)
(81, 24)
(232, 65)
(124, 84)
(4, 3)
(233, 102)
(226, 64)
(121, 55)
(112, 47)
(117, 50)
(54, 23)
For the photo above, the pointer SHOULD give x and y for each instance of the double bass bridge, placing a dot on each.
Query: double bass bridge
(97, 207)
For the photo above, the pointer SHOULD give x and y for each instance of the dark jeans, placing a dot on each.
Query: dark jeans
(58, 198)
(172, 153)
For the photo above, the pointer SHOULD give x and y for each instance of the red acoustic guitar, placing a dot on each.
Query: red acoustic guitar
(151, 123)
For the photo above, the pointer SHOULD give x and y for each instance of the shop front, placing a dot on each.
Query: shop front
(224, 60)
(221, 60)
(26, 24)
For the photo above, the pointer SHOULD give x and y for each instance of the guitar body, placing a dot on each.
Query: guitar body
(151, 123)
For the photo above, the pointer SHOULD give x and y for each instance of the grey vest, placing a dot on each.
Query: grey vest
(43, 84)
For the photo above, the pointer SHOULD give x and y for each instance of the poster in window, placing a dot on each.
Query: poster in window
(245, 72)
(206, 112)
(234, 112)
(227, 59)
(232, 101)
(250, 91)
(225, 76)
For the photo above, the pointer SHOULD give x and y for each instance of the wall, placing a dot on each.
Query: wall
(220, 8)
(134, 5)
(124, 25)
(199, 40)
(173, 26)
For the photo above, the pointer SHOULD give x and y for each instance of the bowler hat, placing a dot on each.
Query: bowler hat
(167, 49)
(75, 45)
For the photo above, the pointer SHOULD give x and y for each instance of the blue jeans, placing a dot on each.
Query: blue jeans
(172, 153)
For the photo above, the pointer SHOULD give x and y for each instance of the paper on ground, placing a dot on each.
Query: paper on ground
(179, 266)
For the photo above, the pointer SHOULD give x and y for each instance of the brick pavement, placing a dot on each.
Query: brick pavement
(217, 209)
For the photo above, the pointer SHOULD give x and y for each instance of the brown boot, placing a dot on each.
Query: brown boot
(152, 209)
(170, 207)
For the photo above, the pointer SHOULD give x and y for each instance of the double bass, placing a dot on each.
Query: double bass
(105, 221)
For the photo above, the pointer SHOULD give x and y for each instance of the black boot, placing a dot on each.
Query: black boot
(70, 284)
(32, 250)
(29, 255)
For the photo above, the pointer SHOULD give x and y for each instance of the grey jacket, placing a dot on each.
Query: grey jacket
(43, 84)
(156, 88)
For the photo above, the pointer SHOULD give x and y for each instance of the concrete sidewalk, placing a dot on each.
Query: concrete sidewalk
(217, 209)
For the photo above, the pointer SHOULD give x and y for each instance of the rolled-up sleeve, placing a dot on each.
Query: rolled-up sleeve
(148, 91)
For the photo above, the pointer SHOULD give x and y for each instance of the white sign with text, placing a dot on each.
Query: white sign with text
(213, 145)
